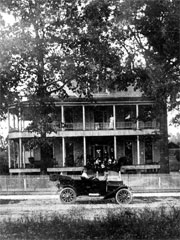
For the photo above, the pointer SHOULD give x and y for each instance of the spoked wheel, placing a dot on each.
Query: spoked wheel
(67, 195)
(123, 196)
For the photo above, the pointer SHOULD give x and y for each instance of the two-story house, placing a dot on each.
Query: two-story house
(113, 127)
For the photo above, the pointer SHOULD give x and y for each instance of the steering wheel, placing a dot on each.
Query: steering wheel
(94, 178)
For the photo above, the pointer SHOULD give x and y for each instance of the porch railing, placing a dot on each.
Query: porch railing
(148, 125)
(97, 126)
(126, 125)
(75, 126)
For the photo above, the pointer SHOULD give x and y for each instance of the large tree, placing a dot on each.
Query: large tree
(82, 43)
(85, 45)
(159, 23)
(55, 47)
(153, 27)
(59, 46)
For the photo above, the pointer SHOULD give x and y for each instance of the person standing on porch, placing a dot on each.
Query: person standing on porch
(111, 122)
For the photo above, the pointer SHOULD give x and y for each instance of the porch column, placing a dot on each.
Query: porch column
(20, 153)
(84, 120)
(114, 115)
(115, 147)
(23, 156)
(20, 120)
(63, 151)
(23, 122)
(84, 149)
(9, 154)
(8, 121)
(138, 151)
(62, 117)
(14, 121)
(137, 115)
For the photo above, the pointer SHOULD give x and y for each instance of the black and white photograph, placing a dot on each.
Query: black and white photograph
(89, 119)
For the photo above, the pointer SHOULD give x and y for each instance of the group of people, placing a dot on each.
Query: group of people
(102, 162)
(106, 164)
(100, 165)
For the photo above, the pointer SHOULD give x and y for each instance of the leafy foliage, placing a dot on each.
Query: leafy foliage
(80, 47)
(156, 31)
(90, 45)
(56, 48)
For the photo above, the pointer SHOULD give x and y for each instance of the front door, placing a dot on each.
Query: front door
(148, 151)
(129, 152)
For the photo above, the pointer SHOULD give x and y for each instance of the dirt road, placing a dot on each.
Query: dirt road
(87, 207)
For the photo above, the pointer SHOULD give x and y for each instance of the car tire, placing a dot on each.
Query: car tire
(67, 195)
(123, 196)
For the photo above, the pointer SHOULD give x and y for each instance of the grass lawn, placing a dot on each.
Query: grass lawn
(128, 224)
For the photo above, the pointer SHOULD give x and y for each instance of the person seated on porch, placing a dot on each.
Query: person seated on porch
(97, 163)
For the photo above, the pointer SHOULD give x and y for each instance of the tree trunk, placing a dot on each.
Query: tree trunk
(164, 152)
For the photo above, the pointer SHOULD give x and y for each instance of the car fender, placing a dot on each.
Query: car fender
(65, 186)
(113, 193)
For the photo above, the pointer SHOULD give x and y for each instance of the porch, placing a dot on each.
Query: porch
(24, 170)
(141, 168)
(129, 169)
(134, 153)
(90, 118)
(76, 171)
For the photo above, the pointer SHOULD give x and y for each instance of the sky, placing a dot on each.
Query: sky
(9, 19)
(172, 130)
(3, 129)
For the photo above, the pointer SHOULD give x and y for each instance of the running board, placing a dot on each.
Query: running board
(94, 195)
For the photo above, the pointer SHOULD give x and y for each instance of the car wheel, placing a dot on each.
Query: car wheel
(123, 196)
(67, 195)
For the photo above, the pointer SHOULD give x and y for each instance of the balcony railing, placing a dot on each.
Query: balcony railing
(108, 126)
(73, 126)
(97, 126)
(78, 126)
(149, 125)
(126, 125)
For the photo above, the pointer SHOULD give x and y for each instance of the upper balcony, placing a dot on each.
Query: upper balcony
(106, 126)
(90, 118)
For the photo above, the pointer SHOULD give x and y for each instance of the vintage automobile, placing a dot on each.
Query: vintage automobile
(70, 188)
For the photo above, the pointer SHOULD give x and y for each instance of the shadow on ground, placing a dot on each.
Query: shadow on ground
(112, 201)
(7, 201)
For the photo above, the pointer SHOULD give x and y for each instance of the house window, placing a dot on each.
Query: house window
(148, 151)
(69, 154)
(128, 152)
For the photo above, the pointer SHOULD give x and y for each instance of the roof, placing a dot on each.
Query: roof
(131, 96)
